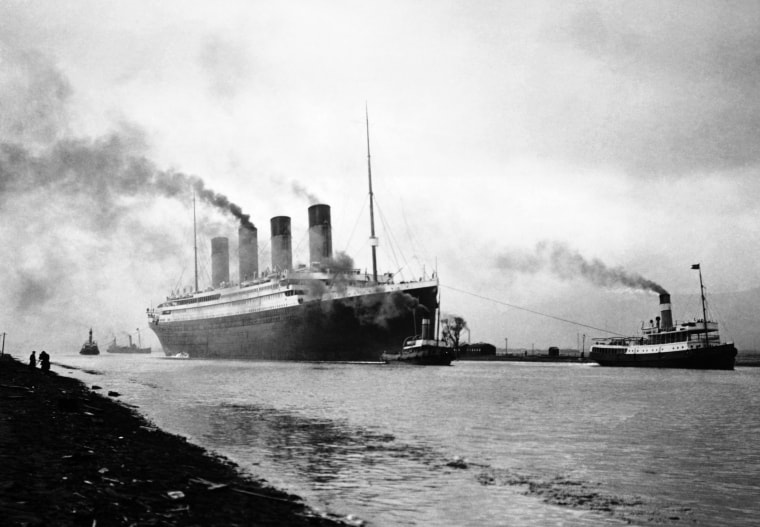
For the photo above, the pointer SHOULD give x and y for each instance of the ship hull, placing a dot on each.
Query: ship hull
(346, 330)
(720, 357)
(128, 350)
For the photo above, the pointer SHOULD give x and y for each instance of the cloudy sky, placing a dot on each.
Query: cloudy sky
(521, 148)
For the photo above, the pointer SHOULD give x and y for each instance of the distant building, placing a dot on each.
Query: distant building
(554, 351)
(477, 348)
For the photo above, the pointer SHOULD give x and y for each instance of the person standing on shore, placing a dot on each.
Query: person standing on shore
(44, 362)
(33, 360)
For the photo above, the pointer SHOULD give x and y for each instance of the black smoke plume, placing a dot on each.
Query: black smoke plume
(341, 263)
(568, 264)
(105, 168)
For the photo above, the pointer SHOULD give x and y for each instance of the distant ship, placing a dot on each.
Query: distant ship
(421, 350)
(90, 347)
(131, 348)
(663, 344)
(326, 311)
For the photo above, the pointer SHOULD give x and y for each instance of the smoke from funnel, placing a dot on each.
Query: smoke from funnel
(568, 264)
(301, 191)
(104, 168)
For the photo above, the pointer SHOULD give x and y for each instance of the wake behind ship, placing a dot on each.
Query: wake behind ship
(327, 311)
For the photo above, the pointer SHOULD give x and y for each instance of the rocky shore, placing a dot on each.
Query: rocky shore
(71, 457)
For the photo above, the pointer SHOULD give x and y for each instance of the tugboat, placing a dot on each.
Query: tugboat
(90, 347)
(421, 350)
(115, 348)
(663, 344)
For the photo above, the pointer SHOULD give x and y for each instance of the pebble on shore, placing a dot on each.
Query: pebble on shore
(70, 456)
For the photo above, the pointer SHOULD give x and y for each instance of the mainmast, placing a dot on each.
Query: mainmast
(195, 246)
(702, 294)
(373, 238)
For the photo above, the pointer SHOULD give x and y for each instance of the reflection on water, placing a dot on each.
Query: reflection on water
(474, 444)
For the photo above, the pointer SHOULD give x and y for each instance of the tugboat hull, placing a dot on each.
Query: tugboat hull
(721, 357)
(425, 355)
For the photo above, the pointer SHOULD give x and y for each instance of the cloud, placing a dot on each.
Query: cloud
(34, 97)
(227, 66)
(670, 89)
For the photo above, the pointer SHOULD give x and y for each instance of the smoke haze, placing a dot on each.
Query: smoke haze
(107, 169)
(79, 213)
(568, 264)
(302, 192)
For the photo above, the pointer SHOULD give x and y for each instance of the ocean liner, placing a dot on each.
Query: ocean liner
(664, 344)
(326, 311)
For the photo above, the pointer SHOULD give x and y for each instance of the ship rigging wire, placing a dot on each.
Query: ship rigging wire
(392, 243)
(531, 310)
(356, 223)
(394, 254)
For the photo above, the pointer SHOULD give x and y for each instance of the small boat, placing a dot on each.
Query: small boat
(421, 350)
(90, 347)
(115, 348)
(663, 344)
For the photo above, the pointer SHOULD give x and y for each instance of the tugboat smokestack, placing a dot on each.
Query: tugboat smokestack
(282, 255)
(426, 329)
(667, 315)
(248, 253)
(320, 234)
(220, 261)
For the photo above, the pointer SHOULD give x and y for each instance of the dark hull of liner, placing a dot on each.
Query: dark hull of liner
(720, 357)
(346, 330)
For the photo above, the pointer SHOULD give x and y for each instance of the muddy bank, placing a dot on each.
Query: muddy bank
(71, 457)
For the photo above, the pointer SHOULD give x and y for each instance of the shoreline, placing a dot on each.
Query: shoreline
(71, 456)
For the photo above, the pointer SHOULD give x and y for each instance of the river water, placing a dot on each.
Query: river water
(476, 443)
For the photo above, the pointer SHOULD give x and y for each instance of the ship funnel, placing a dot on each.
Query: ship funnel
(320, 234)
(220, 261)
(667, 315)
(282, 255)
(425, 329)
(248, 253)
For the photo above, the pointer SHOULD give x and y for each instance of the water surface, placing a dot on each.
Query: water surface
(477, 443)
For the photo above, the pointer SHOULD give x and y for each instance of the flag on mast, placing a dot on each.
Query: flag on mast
(695, 266)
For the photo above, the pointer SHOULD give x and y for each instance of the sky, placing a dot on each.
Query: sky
(543, 157)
